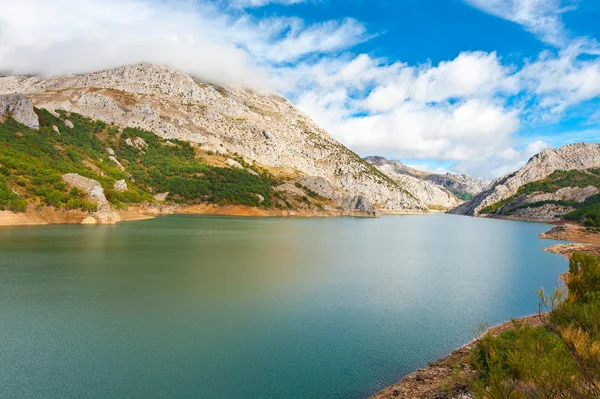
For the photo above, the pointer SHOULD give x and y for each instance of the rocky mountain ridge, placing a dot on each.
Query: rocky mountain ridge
(552, 184)
(435, 190)
(262, 128)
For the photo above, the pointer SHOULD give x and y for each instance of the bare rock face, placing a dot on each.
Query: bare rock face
(579, 156)
(544, 213)
(449, 181)
(261, 127)
(564, 194)
(21, 109)
(412, 180)
(459, 182)
(320, 186)
(359, 205)
(290, 188)
(95, 193)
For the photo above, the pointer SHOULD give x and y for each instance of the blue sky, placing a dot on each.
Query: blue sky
(473, 86)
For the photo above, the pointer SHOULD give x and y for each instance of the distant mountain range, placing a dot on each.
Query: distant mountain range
(436, 190)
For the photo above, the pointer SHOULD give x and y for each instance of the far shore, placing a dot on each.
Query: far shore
(48, 215)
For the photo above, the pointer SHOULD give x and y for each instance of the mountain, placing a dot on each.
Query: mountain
(226, 126)
(436, 190)
(554, 184)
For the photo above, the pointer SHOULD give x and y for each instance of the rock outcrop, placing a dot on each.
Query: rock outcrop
(416, 183)
(579, 156)
(459, 183)
(20, 108)
(261, 127)
(105, 214)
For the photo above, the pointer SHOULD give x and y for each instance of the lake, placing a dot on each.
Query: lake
(218, 307)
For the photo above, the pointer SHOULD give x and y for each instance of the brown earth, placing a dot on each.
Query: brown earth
(583, 240)
(48, 215)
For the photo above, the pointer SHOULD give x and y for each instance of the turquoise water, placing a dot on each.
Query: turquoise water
(214, 307)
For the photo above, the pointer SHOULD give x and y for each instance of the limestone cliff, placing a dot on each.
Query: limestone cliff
(435, 190)
(506, 193)
(259, 127)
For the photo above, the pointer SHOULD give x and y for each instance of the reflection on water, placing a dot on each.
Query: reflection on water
(217, 307)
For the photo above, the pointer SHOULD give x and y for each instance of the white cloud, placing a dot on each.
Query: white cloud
(562, 80)
(447, 112)
(465, 111)
(68, 36)
(541, 17)
(261, 3)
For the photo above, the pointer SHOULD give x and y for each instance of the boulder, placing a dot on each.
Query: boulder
(137, 143)
(116, 162)
(120, 186)
(20, 108)
(161, 196)
(69, 124)
(95, 193)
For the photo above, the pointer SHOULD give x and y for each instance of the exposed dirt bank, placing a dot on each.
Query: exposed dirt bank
(49, 215)
(583, 240)
(447, 377)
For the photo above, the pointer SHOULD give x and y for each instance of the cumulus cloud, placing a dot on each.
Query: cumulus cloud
(452, 111)
(563, 79)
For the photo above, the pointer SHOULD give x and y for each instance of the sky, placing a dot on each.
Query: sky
(466, 86)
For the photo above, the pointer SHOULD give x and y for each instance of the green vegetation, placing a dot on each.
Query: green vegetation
(463, 195)
(588, 211)
(32, 163)
(561, 359)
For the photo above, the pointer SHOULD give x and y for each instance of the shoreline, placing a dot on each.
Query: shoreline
(50, 216)
(446, 377)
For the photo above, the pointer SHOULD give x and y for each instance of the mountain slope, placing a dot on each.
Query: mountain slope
(435, 190)
(258, 127)
(554, 183)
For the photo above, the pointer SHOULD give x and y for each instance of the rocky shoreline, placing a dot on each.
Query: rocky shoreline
(48, 215)
(447, 378)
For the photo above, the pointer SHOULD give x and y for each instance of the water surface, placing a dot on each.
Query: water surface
(215, 307)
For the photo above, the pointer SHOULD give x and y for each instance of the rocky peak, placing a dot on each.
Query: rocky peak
(578, 156)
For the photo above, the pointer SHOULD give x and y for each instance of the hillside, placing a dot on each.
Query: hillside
(231, 126)
(436, 190)
(555, 184)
